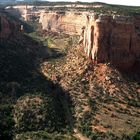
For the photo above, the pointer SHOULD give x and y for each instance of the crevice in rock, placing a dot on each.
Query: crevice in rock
(130, 43)
(92, 40)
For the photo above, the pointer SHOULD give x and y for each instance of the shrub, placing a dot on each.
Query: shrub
(85, 124)
(133, 136)
(43, 135)
(41, 112)
(30, 113)
(6, 122)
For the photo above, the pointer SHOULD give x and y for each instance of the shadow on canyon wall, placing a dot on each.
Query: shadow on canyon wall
(134, 73)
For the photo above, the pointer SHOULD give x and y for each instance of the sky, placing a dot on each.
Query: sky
(121, 2)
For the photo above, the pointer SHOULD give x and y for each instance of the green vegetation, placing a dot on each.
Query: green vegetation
(34, 106)
(104, 8)
(37, 112)
(30, 113)
(46, 41)
(118, 10)
(6, 121)
(85, 124)
(21, 83)
(43, 135)
(133, 136)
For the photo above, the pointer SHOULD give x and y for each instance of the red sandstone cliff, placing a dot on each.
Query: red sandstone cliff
(105, 38)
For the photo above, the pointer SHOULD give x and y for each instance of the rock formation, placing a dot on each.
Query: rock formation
(105, 38)
(112, 39)
(67, 22)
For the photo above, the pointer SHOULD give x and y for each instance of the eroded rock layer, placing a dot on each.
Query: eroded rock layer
(68, 22)
(112, 39)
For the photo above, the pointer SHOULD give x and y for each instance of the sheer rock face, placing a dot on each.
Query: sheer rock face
(8, 26)
(112, 39)
(67, 22)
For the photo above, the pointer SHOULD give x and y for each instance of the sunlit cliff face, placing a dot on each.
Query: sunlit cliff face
(105, 38)
(112, 39)
(69, 22)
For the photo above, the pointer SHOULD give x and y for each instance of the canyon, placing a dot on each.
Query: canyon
(58, 80)
(8, 26)
(105, 38)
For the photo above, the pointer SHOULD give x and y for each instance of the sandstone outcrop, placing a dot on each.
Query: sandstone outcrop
(112, 39)
(67, 22)
(105, 38)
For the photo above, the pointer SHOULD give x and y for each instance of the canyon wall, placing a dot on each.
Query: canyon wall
(114, 39)
(67, 22)
(106, 39)
(8, 26)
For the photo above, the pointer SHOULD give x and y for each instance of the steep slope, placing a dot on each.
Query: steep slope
(106, 105)
(70, 95)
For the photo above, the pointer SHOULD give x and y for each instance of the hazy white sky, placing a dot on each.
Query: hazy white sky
(122, 2)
